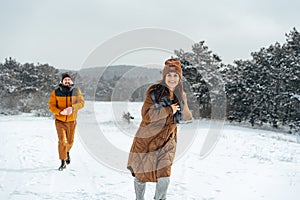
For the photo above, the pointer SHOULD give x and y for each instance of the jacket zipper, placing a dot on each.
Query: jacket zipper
(67, 104)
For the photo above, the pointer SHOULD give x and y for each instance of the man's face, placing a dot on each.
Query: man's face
(67, 81)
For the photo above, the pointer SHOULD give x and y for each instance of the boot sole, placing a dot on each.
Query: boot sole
(61, 168)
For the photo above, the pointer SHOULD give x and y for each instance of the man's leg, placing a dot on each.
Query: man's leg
(70, 139)
(70, 134)
(62, 139)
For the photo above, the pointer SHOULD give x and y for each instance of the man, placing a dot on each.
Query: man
(64, 103)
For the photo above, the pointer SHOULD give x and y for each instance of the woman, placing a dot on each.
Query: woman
(154, 145)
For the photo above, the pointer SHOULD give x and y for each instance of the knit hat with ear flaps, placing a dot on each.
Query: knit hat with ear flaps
(65, 75)
(172, 65)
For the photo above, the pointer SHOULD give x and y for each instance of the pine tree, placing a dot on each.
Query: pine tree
(200, 68)
(292, 71)
(265, 89)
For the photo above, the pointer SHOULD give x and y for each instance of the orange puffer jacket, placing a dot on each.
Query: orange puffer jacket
(64, 97)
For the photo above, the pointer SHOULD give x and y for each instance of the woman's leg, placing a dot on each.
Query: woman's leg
(161, 188)
(139, 188)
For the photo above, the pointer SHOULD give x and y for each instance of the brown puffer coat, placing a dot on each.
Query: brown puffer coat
(154, 145)
(64, 97)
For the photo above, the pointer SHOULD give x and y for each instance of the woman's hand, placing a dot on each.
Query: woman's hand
(175, 107)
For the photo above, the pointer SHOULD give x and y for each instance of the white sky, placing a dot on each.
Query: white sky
(63, 33)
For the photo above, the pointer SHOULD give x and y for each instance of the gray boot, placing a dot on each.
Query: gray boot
(161, 188)
(139, 188)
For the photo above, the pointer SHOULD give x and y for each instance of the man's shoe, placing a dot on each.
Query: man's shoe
(68, 161)
(63, 165)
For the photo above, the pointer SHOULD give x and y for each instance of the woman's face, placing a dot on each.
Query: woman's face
(172, 80)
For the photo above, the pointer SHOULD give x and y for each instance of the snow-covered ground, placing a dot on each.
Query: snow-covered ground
(246, 163)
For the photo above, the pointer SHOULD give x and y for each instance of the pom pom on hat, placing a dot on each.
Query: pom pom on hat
(172, 65)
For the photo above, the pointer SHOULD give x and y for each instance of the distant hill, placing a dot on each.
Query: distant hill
(111, 72)
(100, 83)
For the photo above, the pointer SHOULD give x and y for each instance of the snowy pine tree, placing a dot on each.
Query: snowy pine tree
(201, 69)
(262, 90)
(26, 87)
(292, 72)
(265, 89)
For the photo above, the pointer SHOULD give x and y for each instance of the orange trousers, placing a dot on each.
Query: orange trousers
(65, 133)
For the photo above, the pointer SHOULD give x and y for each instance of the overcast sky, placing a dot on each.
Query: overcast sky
(63, 33)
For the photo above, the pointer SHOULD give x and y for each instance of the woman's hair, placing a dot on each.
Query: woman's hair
(164, 90)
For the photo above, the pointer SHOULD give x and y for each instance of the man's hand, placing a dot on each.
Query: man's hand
(67, 111)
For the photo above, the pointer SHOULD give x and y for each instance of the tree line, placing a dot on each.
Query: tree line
(26, 87)
(262, 90)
